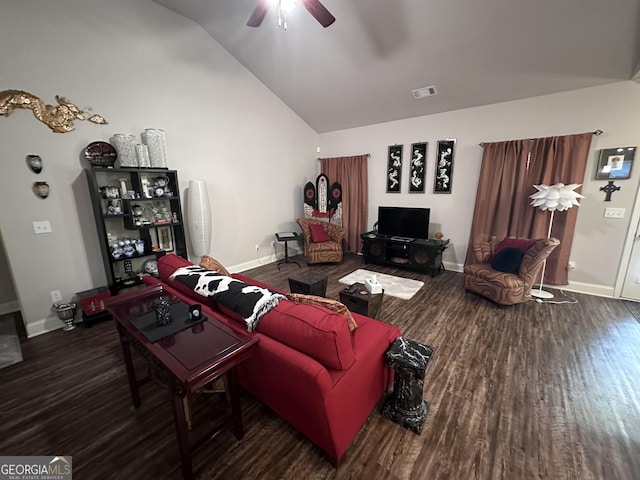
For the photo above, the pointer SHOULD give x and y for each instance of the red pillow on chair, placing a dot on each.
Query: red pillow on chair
(318, 234)
(523, 244)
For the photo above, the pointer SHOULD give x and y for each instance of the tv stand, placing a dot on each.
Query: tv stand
(411, 253)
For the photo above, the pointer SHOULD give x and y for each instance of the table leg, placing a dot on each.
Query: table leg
(183, 436)
(131, 374)
(233, 391)
(286, 256)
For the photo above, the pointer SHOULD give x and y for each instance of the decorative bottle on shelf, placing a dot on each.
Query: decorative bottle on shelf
(142, 153)
(126, 147)
(154, 139)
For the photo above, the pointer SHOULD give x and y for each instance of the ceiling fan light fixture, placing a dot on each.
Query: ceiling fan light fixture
(424, 92)
(314, 7)
(284, 5)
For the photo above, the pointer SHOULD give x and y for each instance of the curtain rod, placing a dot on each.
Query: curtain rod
(367, 154)
(597, 133)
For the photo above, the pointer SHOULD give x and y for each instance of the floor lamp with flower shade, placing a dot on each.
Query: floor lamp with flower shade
(559, 197)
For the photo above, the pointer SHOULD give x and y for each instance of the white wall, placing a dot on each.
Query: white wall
(8, 297)
(598, 243)
(139, 65)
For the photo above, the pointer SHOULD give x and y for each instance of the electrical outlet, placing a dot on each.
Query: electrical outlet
(257, 247)
(41, 227)
(56, 295)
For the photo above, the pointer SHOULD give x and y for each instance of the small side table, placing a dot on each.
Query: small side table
(308, 282)
(361, 301)
(405, 405)
(287, 237)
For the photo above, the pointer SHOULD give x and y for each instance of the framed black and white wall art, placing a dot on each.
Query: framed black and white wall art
(417, 167)
(444, 166)
(394, 168)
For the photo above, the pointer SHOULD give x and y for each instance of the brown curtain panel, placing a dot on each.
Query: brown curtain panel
(558, 160)
(351, 173)
(509, 171)
(501, 193)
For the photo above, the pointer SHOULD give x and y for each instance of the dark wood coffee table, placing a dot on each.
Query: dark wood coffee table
(308, 282)
(185, 362)
(361, 301)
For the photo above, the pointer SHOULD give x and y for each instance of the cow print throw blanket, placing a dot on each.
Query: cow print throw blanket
(249, 301)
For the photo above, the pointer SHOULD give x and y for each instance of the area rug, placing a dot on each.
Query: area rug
(10, 352)
(399, 287)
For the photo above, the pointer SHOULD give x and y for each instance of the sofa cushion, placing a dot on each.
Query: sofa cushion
(318, 233)
(332, 305)
(523, 244)
(315, 331)
(508, 260)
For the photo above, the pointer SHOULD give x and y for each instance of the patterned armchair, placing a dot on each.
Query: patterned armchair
(506, 288)
(322, 252)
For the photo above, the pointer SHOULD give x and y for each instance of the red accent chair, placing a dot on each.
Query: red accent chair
(322, 252)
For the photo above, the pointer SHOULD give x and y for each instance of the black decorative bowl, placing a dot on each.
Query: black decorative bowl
(101, 154)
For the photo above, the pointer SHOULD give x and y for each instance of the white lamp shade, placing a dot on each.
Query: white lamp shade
(559, 197)
(199, 217)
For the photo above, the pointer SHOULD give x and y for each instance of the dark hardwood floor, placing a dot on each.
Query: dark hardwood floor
(525, 392)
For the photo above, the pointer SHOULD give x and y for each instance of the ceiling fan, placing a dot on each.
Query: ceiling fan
(315, 8)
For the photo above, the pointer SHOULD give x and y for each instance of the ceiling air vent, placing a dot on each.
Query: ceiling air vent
(424, 92)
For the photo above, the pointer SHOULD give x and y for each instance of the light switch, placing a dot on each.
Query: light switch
(41, 227)
(614, 212)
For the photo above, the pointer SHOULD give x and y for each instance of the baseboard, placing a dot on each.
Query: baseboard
(9, 307)
(259, 262)
(452, 267)
(44, 325)
(587, 288)
(575, 287)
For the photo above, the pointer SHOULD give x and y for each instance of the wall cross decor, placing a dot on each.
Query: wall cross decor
(609, 188)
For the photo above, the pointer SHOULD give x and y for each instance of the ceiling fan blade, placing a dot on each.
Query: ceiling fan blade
(319, 12)
(258, 13)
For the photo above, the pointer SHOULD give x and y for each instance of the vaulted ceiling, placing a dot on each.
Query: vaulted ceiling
(361, 69)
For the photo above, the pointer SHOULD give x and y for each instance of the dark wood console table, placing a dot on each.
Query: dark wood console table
(415, 254)
(185, 362)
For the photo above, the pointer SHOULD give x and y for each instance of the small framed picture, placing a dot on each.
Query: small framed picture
(417, 167)
(162, 239)
(444, 166)
(615, 163)
(165, 239)
(394, 168)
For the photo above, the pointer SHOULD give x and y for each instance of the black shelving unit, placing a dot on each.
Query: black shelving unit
(138, 216)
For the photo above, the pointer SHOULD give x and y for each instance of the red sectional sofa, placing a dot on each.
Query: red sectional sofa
(309, 368)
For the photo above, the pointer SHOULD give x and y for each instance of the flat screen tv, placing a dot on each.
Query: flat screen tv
(404, 222)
